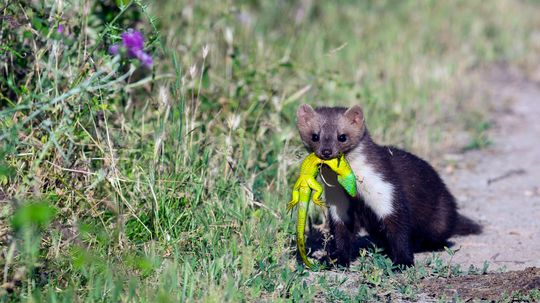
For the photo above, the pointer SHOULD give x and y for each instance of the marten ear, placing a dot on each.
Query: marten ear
(355, 115)
(304, 114)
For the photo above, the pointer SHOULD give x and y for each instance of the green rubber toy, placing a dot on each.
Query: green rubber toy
(307, 183)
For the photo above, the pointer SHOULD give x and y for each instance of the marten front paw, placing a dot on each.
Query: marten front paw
(339, 259)
(402, 264)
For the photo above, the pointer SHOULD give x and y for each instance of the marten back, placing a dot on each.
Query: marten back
(433, 208)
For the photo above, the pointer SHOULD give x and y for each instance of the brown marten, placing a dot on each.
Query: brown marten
(402, 202)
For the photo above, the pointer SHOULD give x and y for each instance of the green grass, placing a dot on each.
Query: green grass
(125, 184)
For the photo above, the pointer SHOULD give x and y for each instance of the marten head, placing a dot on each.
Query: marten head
(330, 131)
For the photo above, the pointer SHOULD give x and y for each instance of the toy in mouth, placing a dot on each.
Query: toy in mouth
(306, 184)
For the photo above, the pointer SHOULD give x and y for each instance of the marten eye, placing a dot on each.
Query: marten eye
(315, 138)
(342, 138)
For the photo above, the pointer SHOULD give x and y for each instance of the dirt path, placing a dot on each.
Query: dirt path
(500, 186)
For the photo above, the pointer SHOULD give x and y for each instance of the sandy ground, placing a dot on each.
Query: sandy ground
(500, 186)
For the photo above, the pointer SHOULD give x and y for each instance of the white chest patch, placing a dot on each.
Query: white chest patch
(335, 197)
(377, 193)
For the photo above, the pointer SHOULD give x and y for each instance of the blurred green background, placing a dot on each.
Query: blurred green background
(169, 184)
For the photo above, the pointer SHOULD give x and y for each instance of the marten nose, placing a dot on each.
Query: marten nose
(326, 152)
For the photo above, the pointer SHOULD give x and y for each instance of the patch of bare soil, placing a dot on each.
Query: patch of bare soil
(499, 186)
(489, 287)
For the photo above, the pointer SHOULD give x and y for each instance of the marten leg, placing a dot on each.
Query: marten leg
(398, 237)
(341, 244)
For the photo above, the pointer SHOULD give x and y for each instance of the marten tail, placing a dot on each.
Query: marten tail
(465, 226)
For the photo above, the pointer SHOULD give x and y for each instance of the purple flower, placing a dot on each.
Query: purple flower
(145, 59)
(60, 29)
(132, 46)
(114, 49)
(133, 41)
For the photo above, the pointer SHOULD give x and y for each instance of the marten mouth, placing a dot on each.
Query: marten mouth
(330, 157)
(327, 157)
